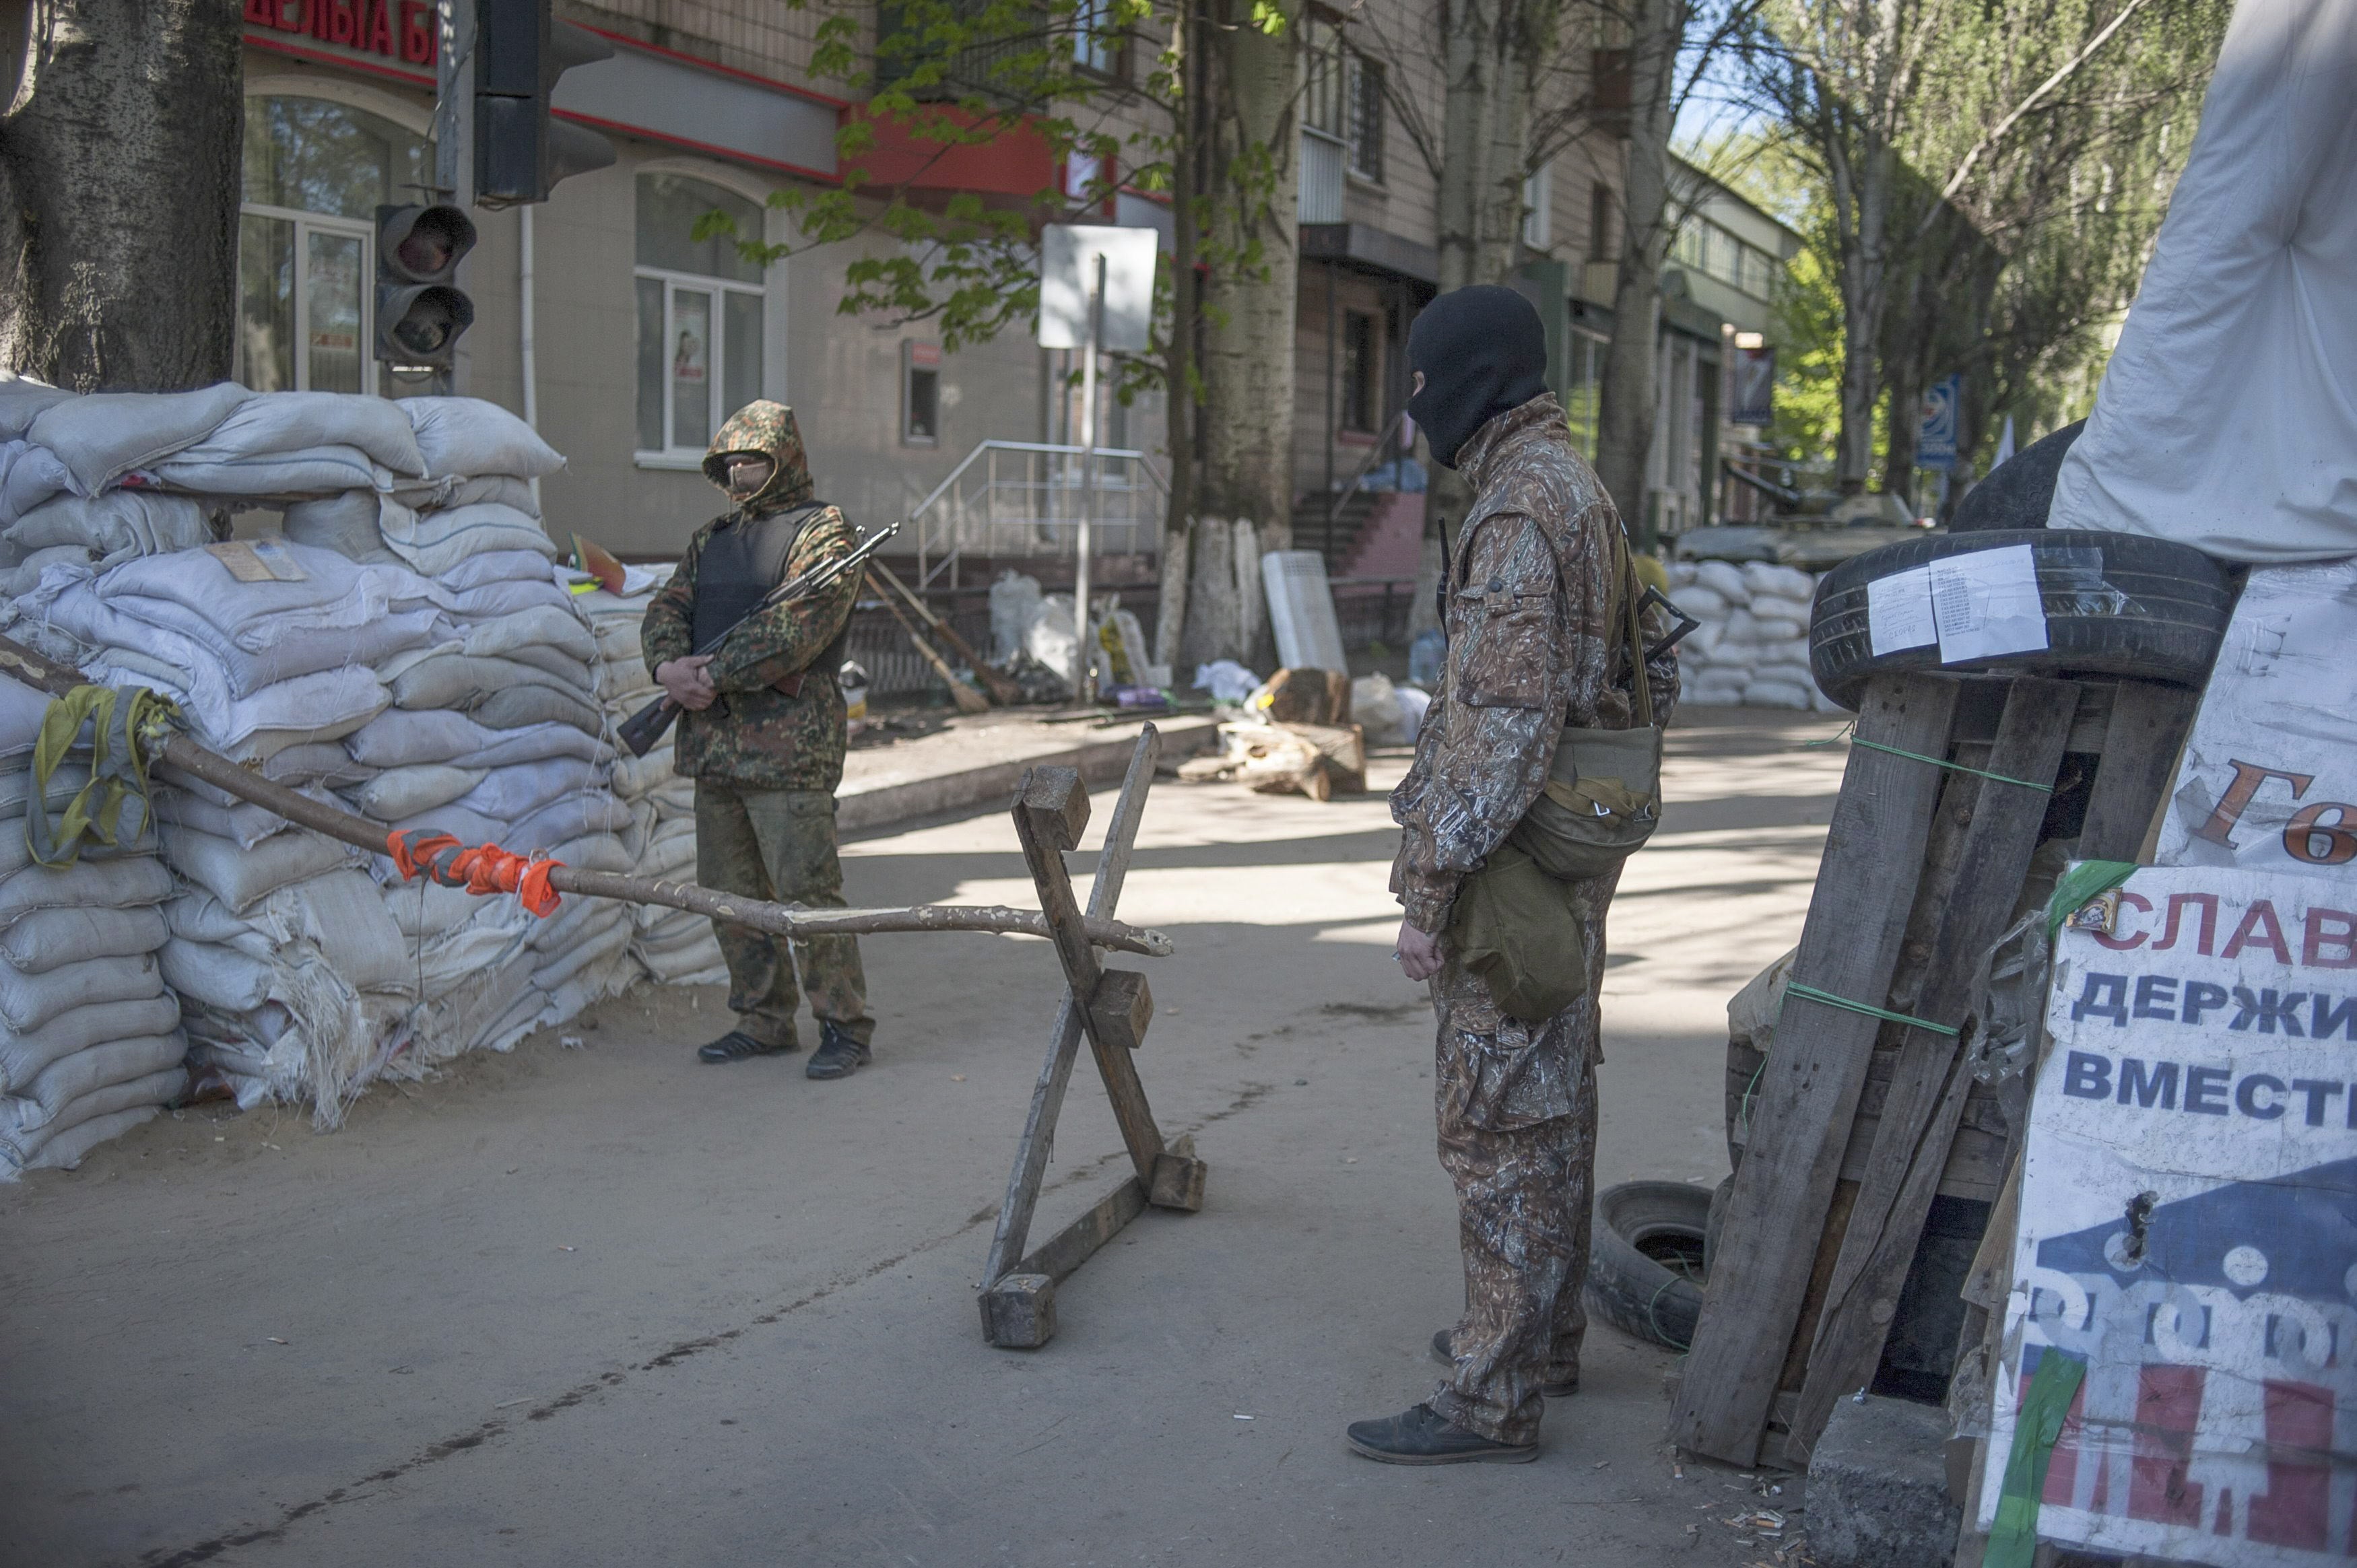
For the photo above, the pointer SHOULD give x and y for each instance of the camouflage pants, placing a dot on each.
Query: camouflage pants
(778, 845)
(1516, 1103)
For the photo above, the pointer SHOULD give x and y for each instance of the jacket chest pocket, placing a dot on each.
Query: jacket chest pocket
(1508, 642)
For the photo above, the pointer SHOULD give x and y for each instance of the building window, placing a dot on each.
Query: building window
(699, 315)
(1538, 208)
(1096, 42)
(1365, 106)
(1361, 402)
(1583, 391)
(315, 173)
(920, 393)
(1600, 247)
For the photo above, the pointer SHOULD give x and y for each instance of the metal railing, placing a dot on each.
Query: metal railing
(1026, 498)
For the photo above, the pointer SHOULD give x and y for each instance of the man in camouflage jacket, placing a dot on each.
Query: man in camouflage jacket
(1531, 648)
(762, 733)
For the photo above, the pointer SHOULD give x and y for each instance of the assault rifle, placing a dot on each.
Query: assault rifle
(642, 729)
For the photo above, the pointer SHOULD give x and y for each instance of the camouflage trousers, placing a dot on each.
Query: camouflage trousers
(778, 845)
(1516, 1103)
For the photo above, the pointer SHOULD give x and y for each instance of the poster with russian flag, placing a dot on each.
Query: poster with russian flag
(2189, 1225)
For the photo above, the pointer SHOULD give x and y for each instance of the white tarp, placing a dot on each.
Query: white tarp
(2228, 417)
(2268, 781)
(2188, 1227)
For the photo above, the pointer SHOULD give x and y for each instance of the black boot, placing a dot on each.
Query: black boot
(1445, 1352)
(737, 1045)
(1422, 1436)
(838, 1054)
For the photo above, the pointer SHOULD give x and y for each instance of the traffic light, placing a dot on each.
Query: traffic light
(520, 150)
(419, 310)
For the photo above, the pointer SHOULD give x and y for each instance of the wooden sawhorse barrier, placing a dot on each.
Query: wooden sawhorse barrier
(1112, 1007)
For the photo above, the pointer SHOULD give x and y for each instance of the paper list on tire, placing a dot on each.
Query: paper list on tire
(1986, 604)
(1899, 611)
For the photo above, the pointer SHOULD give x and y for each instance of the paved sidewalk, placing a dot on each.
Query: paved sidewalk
(975, 759)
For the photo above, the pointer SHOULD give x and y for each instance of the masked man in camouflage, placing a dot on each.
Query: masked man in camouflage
(1531, 613)
(763, 733)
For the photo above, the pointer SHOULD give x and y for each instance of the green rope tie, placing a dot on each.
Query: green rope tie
(1811, 994)
(1851, 736)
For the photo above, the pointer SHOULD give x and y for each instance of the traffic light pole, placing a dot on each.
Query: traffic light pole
(454, 140)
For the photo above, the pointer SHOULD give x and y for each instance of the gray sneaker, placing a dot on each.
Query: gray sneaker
(838, 1054)
(1421, 1436)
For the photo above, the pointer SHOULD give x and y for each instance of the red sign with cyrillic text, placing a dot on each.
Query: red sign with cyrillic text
(402, 30)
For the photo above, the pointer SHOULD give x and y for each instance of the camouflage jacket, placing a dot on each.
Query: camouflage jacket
(754, 734)
(1530, 648)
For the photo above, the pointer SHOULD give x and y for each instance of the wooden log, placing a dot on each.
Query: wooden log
(1064, 1040)
(967, 699)
(1018, 1311)
(186, 756)
(1930, 1081)
(1121, 1007)
(1808, 1090)
(1051, 806)
(2140, 745)
(995, 681)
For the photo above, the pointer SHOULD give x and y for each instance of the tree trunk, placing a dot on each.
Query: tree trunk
(1864, 258)
(1179, 355)
(1244, 498)
(1625, 426)
(118, 169)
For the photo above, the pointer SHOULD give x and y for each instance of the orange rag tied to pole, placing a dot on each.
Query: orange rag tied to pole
(483, 870)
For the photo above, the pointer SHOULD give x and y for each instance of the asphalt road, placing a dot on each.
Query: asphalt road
(601, 1305)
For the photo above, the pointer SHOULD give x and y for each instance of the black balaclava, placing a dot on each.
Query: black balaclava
(1482, 352)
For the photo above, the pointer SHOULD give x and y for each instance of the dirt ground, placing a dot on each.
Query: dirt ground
(592, 1302)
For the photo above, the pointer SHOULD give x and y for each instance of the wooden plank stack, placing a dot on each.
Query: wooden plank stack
(1930, 843)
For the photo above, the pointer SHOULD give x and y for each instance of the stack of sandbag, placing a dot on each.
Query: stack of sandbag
(671, 945)
(90, 1040)
(290, 974)
(1752, 647)
(470, 494)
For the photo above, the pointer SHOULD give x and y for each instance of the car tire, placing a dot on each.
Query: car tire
(2117, 604)
(1642, 1229)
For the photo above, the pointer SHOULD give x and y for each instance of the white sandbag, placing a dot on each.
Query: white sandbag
(313, 764)
(543, 626)
(520, 706)
(400, 738)
(239, 877)
(22, 708)
(501, 489)
(29, 1001)
(447, 679)
(635, 776)
(513, 793)
(1697, 646)
(571, 674)
(19, 580)
(577, 920)
(208, 809)
(601, 949)
(1742, 630)
(51, 939)
(570, 817)
(337, 612)
(296, 422)
(1784, 668)
(595, 852)
(87, 1071)
(102, 436)
(346, 524)
(120, 884)
(508, 597)
(24, 1056)
(1701, 603)
(1725, 579)
(1776, 630)
(1776, 694)
(21, 398)
(216, 974)
(196, 915)
(1014, 604)
(29, 477)
(17, 786)
(343, 916)
(324, 706)
(620, 638)
(402, 792)
(1788, 581)
(468, 436)
(64, 1150)
(434, 541)
(320, 470)
(1680, 573)
(496, 566)
(130, 521)
(1716, 691)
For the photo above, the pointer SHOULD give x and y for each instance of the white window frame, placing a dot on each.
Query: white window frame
(715, 374)
(1538, 207)
(306, 225)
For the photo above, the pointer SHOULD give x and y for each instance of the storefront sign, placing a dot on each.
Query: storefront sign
(401, 30)
(2269, 781)
(2189, 1226)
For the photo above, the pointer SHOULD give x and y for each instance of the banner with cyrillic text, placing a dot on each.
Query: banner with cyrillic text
(2189, 1224)
(2269, 776)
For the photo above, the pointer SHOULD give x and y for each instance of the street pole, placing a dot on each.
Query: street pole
(1085, 543)
(454, 142)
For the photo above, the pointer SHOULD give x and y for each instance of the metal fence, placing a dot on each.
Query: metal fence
(1012, 499)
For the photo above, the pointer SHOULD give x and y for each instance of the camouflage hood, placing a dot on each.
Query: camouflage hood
(770, 429)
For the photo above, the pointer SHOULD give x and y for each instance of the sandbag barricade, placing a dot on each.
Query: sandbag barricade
(90, 1040)
(1753, 646)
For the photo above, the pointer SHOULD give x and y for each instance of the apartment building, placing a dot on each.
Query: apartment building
(626, 340)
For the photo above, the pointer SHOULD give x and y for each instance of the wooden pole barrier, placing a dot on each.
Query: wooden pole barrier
(185, 755)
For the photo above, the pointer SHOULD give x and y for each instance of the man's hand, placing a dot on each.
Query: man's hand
(1418, 952)
(688, 682)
